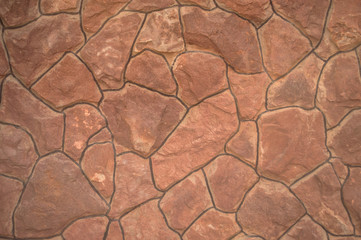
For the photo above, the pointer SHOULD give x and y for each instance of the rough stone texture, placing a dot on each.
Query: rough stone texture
(53, 198)
(269, 209)
(320, 193)
(229, 179)
(250, 92)
(207, 4)
(340, 168)
(344, 238)
(51, 6)
(147, 222)
(199, 137)
(291, 143)
(283, 46)
(133, 184)
(38, 45)
(114, 232)
(67, 83)
(242, 236)
(103, 136)
(213, 225)
(225, 34)
(21, 108)
(150, 5)
(326, 48)
(4, 64)
(340, 87)
(107, 53)
(18, 12)
(87, 228)
(184, 202)
(199, 75)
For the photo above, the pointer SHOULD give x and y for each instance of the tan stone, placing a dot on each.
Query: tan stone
(268, 210)
(114, 232)
(207, 4)
(243, 236)
(4, 63)
(150, 5)
(102, 136)
(50, 6)
(198, 138)
(340, 168)
(92, 228)
(18, 12)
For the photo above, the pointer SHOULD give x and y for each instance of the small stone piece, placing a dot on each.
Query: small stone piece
(207, 4)
(18, 12)
(340, 169)
(4, 64)
(344, 238)
(150, 5)
(114, 232)
(87, 228)
(103, 136)
(242, 236)
(51, 6)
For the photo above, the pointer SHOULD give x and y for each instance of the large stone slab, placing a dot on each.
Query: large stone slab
(92, 228)
(18, 12)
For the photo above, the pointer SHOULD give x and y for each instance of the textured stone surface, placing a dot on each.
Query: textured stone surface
(326, 48)
(50, 6)
(87, 228)
(344, 238)
(150, 5)
(4, 63)
(340, 168)
(207, 4)
(18, 12)
(114, 232)
(242, 236)
(102, 136)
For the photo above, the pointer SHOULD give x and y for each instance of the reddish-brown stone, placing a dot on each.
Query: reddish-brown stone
(81, 121)
(250, 92)
(269, 209)
(291, 143)
(184, 202)
(199, 75)
(56, 194)
(151, 70)
(340, 87)
(340, 169)
(140, 119)
(326, 48)
(4, 64)
(283, 46)
(133, 184)
(297, 88)
(212, 225)
(67, 83)
(199, 137)
(114, 232)
(107, 53)
(207, 4)
(320, 193)
(50, 6)
(150, 5)
(37, 46)
(18, 12)
(344, 238)
(87, 228)
(21, 108)
(243, 236)
(103, 136)
(225, 34)
(229, 180)
(147, 222)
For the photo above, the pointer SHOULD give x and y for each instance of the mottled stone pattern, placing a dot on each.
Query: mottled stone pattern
(180, 119)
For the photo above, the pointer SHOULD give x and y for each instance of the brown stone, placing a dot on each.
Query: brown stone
(50, 6)
(81, 121)
(114, 232)
(339, 87)
(256, 11)
(340, 168)
(92, 228)
(10, 191)
(268, 210)
(150, 5)
(140, 119)
(56, 194)
(291, 143)
(297, 88)
(199, 75)
(212, 225)
(151, 70)
(243, 236)
(229, 179)
(225, 34)
(37, 46)
(244, 143)
(320, 193)
(184, 202)
(133, 184)
(147, 222)
(18, 12)
(250, 92)
(344, 238)
(102, 136)
(67, 83)
(98, 164)
(326, 48)
(283, 46)
(21, 108)
(198, 138)
(207, 4)
(4, 64)
(107, 53)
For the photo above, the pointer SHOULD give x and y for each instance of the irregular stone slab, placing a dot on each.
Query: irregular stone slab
(268, 210)
(103, 136)
(320, 193)
(17, 152)
(67, 83)
(306, 229)
(297, 88)
(18, 12)
(250, 92)
(326, 48)
(229, 179)
(150, 5)
(114, 232)
(4, 63)
(294, 139)
(207, 4)
(225, 34)
(133, 184)
(340, 169)
(9, 196)
(339, 89)
(21, 108)
(92, 228)
(344, 238)
(184, 202)
(283, 46)
(212, 225)
(81, 121)
(146, 222)
(199, 75)
(140, 119)
(50, 6)
(198, 138)
(37, 46)
(243, 236)
(53, 198)
(151, 70)
(107, 53)
(244, 143)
